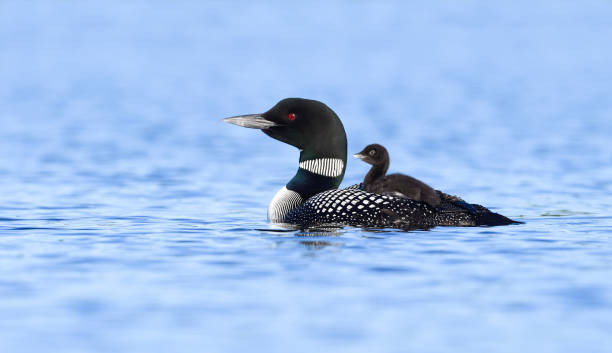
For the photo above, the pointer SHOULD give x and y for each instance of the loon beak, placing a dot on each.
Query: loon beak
(253, 121)
(359, 156)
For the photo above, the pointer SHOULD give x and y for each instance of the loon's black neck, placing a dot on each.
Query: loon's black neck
(318, 172)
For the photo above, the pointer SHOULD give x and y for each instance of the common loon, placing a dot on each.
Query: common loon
(376, 181)
(311, 197)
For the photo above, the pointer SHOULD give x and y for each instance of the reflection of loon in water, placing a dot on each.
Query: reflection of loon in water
(311, 197)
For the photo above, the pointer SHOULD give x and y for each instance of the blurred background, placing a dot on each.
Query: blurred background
(128, 209)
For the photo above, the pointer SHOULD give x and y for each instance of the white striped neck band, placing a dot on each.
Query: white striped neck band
(329, 167)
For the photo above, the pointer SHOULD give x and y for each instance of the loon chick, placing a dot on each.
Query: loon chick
(394, 184)
(311, 197)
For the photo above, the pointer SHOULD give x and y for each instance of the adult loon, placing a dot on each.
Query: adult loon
(311, 197)
(376, 181)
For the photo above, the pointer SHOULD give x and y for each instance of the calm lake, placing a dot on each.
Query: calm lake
(129, 211)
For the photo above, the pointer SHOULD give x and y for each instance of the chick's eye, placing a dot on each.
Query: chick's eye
(372, 152)
(291, 116)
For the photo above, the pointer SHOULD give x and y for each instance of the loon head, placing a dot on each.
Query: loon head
(309, 125)
(316, 131)
(373, 154)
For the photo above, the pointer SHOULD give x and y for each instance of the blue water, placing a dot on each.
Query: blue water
(128, 209)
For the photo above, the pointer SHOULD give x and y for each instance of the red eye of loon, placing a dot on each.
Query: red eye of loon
(291, 116)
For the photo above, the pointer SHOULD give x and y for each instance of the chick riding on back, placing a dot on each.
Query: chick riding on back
(399, 185)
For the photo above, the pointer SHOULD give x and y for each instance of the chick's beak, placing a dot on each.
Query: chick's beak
(359, 156)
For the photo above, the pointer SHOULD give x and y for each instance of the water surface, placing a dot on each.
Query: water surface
(128, 210)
